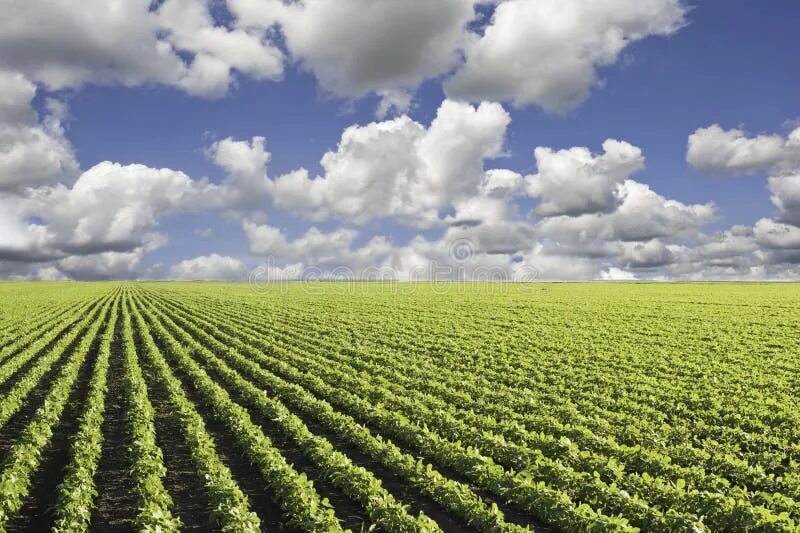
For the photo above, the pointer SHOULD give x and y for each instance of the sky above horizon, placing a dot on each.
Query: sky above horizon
(510, 139)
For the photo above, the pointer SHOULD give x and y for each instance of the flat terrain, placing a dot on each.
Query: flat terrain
(427, 407)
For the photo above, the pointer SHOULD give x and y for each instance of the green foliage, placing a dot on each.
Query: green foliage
(580, 407)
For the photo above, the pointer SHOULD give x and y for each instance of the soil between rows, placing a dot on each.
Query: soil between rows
(116, 502)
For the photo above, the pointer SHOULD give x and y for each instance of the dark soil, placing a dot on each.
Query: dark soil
(116, 502)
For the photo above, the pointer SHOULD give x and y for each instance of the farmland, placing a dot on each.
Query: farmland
(326, 407)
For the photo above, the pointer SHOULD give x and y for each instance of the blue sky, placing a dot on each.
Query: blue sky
(730, 63)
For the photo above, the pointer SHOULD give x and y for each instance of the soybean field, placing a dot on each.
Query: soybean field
(399, 407)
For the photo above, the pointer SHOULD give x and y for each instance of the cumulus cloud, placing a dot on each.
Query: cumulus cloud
(247, 186)
(104, 265)
(617, 274)
(399, 168)
(53, 42)
(547, 52)
(209, 267)
(20, 240)
(112, 206)
(189, 26)
(648, 254)
(131, 43)
(118, 208)
(355, 48)
(266, 240)
(642, 215)
(574, 182)
(775, 235)
(785, 194)
(726, 247)
(544, 53)
(713, 149)
(33, 152)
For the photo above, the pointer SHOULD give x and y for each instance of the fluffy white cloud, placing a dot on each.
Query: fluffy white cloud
(642, 215)
(246, 186)
(32, 152)
(771, 234)
(131, 43)
(652, 253)
(16, 93)
(399, 168)
(617, 274)
(112, 207)
(266, 240)
(785, 195)
(209, 267)
(55, 43)
(714, 149)
(541, 52)
(104, 265)
(727, 247)
(574, 182)
(356, 48)
(20, 240)
(190, 27)
(547, 52)
(501, 183)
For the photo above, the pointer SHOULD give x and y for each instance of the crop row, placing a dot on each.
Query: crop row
(25, 454)
(720, 509)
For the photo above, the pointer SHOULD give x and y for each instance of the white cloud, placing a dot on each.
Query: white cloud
(714, 149)
(617, 274)
(55, 43)
(16, 93)
(266, 240)
(399, 168)
(652, 253)
(500, 183)
(642, 215)
(356, 48)
(50, 273)
(247, 186)
(209, 267)
(785, 195)
(726, 247)
(20, 240)
(574, 182)
(771, 234)
(104, 265)
(32, 152)
(190, 27)
(113, 207)
(547, 52)
(128, 43)
(553, 266)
